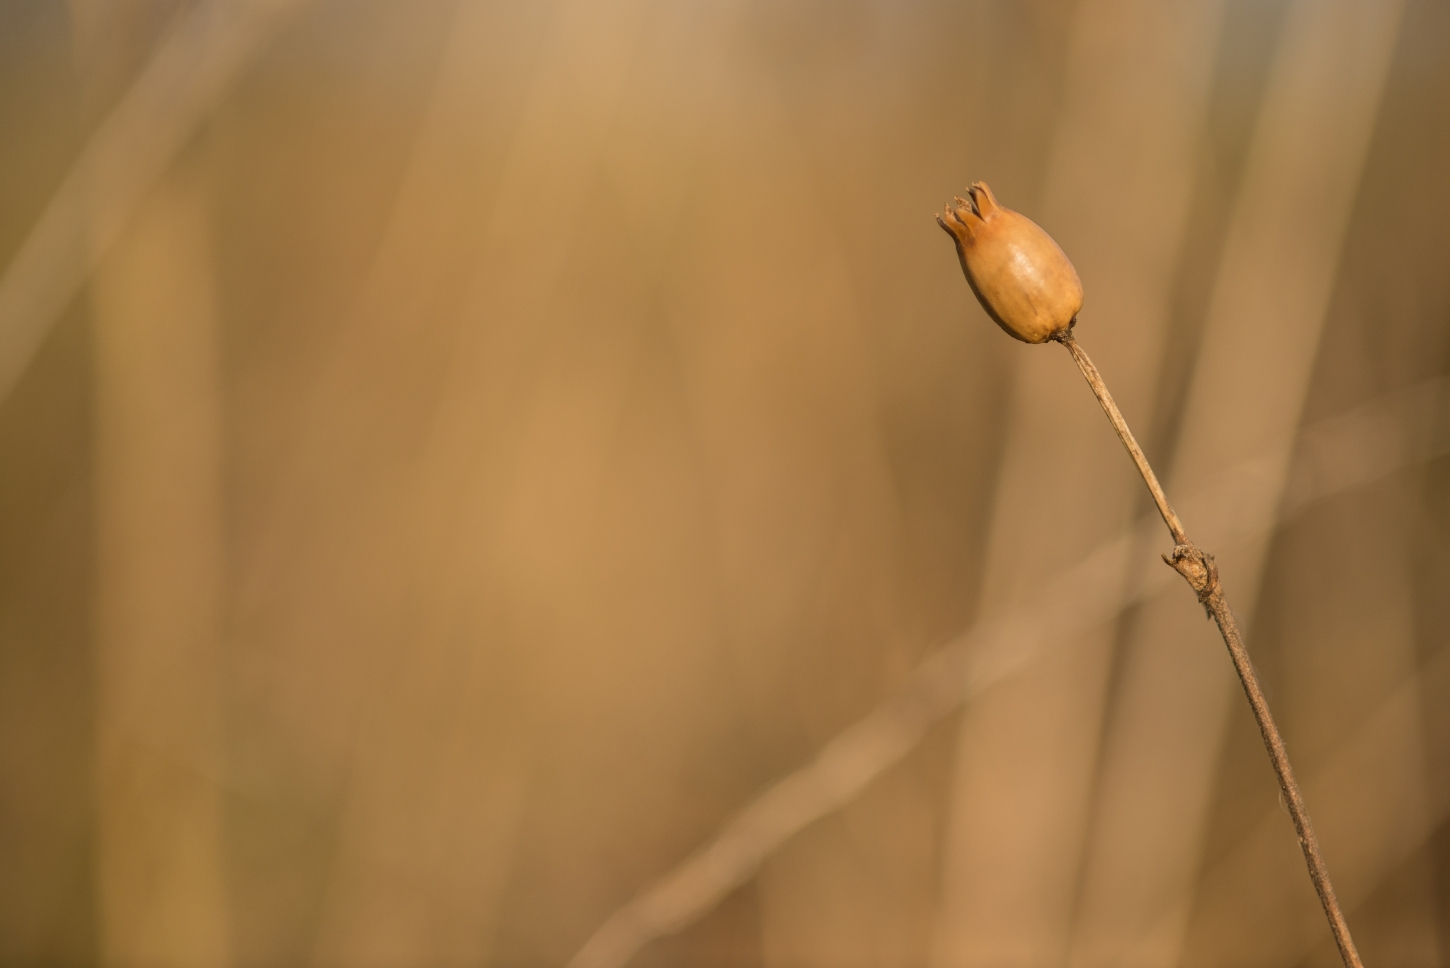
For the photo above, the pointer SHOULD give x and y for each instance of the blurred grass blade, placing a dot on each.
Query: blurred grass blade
(193, 70)
(1334, 456)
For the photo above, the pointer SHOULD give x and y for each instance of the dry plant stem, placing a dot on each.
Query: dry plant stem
(1199, 570)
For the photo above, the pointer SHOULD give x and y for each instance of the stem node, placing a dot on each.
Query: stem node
(1198, 569)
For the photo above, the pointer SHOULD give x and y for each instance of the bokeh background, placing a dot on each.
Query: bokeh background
(454, 455)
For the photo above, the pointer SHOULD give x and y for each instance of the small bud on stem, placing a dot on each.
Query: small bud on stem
(1028, 286)
(1024, 281)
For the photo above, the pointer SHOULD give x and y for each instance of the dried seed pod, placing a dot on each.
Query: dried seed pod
(1021, 277)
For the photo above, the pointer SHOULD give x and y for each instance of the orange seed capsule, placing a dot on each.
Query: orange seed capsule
(1021, 277)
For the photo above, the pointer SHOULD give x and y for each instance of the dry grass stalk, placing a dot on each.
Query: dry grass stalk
(1198, 569)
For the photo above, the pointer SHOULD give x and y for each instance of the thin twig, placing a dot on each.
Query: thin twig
(1198, 569)
(1095, 380)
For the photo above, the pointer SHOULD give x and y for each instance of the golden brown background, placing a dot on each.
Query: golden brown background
(455, 455)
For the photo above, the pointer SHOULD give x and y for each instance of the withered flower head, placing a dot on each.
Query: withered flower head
(1021, 277)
